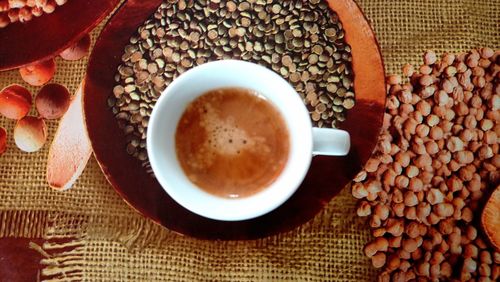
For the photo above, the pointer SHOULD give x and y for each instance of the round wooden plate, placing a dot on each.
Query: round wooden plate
(46, 36)
(326, 177)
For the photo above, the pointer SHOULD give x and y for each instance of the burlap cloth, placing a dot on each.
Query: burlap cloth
(107, 240)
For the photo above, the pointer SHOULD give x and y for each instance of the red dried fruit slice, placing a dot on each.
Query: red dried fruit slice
(39, 73)
(15, 101)
(52, 101)
(3, 140)
(70, 150)
(30, 134)
(490, 219)
(78, 50)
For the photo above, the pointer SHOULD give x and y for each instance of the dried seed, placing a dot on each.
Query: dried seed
(244, 6)
(30, 134)
(231, 6)
(286, 61)
(52, 101)
(320, 108)
(15, 101)
(78, 50)
(39, 73)
(24, 10)
(348, 103)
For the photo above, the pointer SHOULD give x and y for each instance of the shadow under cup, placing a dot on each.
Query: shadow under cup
(222, 74)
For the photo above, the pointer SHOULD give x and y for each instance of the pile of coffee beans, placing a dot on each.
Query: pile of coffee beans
(303, 41)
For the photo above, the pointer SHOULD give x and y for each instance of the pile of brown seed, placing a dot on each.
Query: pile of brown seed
(12, 11)
(301, 40)
(436, 161)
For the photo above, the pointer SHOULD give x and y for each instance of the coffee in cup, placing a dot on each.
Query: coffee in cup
(232, 142)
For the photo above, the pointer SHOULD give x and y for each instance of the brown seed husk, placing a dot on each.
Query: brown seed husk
(52, 101)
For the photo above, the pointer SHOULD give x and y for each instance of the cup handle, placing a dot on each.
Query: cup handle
(330, 142)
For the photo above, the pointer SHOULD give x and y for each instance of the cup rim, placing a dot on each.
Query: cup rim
(256, 210)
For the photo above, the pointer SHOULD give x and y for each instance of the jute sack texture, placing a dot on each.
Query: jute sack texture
(109, 241)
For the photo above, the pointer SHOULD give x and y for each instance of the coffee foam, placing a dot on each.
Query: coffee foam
(223, 135)
(223, 138)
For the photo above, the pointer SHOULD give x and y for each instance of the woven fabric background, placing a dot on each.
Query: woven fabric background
(109, 241)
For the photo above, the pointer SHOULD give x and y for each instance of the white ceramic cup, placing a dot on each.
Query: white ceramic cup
(305, 140)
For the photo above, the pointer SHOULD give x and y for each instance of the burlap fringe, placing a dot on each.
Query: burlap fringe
(64, 265)
(132, 231)
(64, 249)
(27, 224)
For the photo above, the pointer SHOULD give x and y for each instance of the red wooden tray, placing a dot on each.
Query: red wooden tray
(46, 36)
(325, 179)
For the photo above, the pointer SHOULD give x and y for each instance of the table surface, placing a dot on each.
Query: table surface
(89, 233)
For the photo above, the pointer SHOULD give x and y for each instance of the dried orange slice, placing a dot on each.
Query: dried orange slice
(490, 219)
